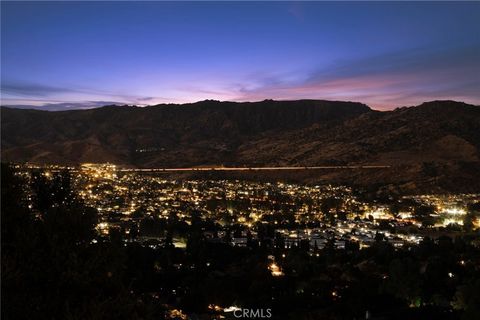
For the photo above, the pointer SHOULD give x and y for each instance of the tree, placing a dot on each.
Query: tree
(473, 214)
(468, 222)
(328, 205)
(404, 280)
(394, 209)
(52, 190)
(423, 211)
(423, 214)
(467, 299)
(50, 267)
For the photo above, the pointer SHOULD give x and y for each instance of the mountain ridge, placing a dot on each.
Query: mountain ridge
(433, 143)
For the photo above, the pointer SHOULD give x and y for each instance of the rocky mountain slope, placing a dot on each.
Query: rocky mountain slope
(434, 146)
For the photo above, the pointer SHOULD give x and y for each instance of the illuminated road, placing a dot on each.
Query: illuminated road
(253, 168)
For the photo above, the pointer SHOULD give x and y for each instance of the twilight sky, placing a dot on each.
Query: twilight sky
(63, 55)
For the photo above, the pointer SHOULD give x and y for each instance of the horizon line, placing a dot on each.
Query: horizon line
(78, 106)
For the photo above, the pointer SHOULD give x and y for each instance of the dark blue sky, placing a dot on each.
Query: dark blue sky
(386, 54)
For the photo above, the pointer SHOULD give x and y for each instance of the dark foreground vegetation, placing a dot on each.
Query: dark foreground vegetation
(55, 266)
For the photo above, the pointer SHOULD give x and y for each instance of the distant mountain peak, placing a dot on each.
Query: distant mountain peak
(443, 104)
(442, 135)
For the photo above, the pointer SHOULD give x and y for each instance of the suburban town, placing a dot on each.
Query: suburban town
(245, 213)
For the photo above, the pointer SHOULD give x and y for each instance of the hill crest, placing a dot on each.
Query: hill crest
(442, 135)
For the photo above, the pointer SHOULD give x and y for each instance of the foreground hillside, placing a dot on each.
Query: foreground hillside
(433, 147)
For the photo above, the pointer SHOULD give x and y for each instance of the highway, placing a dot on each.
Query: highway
(253, 168)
